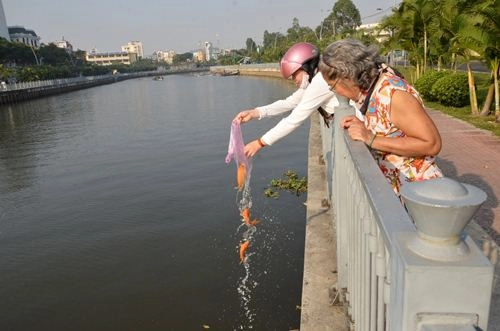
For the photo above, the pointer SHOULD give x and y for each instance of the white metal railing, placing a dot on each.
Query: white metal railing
(65, 82)
(52, 83)
(387, 283)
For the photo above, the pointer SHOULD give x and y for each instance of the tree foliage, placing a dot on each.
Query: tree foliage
(346, 17)
(251, 46)
(53, 55)
(450, 33)
(435, 33)
(180, 58)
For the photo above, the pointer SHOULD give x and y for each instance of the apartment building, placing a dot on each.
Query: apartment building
(109, 58)
(164, 56)
(134, 47)
(22, 35)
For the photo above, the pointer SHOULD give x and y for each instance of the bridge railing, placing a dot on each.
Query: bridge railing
(61, 82)
(392, 274)
(75, 81)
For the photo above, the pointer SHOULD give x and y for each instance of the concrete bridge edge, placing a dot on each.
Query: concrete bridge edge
(320, 260)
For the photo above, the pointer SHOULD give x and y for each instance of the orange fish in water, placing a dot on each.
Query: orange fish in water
(243, 248)
(241, 176)
(246, 218)
(245, 213)
(253, 223)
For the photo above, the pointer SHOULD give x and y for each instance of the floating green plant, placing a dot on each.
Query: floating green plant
(289, 181)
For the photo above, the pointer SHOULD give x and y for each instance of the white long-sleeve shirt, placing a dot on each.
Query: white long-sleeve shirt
(304, 102)
(282, 106)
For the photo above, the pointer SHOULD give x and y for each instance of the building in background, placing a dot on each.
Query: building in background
(374, 29)
(105, 59)
(64, 44)
(4, 30)
(134, 47)
(199, 56)
(208, 50)
(22, 35)
(164, 56)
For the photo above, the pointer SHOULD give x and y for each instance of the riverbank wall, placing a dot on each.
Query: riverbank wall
(257, 69)
(19, 92)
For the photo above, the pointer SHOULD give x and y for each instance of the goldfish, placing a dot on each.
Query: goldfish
(243, 248)
(254, 222)
(241, 176)
(245, 213)
(246, 218)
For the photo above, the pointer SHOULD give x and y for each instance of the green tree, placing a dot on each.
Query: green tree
(51, 54)
(453, 19)
(251, 47)
(181, 58)
(5, 73)
(422, 13)
(274, 46)
(299, 33)
(346, 17)
(15, 53)
(482, 37)
(409, 24)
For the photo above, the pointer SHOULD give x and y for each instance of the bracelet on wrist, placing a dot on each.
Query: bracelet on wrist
(261, 143)
(371, 141)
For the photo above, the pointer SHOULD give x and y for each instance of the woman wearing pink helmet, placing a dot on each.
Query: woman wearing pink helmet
(300, 63)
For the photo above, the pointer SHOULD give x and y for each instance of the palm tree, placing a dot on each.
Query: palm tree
(482, 37)
(455, 20)
(406, 34)
(422, 13)
(490, 29)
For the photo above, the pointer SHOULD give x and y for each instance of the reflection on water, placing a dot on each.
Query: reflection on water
(117, 210)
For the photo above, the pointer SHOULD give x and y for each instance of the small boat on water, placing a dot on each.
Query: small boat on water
(158, 78)
(227, 72)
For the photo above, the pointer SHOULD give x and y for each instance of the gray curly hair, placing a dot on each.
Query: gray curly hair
(351, 59)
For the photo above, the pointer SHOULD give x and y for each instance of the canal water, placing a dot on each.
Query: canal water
(118, 212)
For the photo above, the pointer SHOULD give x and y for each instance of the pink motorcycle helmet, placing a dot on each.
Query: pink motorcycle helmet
(296, 56)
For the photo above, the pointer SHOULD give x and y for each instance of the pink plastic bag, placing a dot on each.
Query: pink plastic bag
(236, 151)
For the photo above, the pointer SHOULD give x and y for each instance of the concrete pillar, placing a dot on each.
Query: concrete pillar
(441, 208)
(441, 279)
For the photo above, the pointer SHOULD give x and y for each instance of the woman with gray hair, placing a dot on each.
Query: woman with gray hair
(400, 134)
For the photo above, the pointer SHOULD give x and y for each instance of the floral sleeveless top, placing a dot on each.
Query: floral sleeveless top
(397, 169)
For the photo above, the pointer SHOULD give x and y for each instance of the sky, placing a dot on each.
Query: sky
(178, 25)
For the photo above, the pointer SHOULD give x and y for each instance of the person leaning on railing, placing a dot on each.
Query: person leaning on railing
(400, 134)
(300, 63)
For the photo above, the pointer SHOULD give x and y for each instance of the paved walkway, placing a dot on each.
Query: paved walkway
(472, 156)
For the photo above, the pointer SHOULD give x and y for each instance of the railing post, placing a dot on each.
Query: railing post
(440, 278)
(327, 156)
(338, 180)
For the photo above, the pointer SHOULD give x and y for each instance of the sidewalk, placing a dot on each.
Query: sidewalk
(471, 155)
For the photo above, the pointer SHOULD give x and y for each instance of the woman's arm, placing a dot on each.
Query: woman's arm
(407, 113)
(422, 136)
(273, 109)
(316, 94)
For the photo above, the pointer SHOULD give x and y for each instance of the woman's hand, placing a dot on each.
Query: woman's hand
(356, 129)
(252, 148)
(246, 115)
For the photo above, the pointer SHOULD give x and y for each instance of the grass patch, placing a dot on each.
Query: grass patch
(464, 113)
(482, 81)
